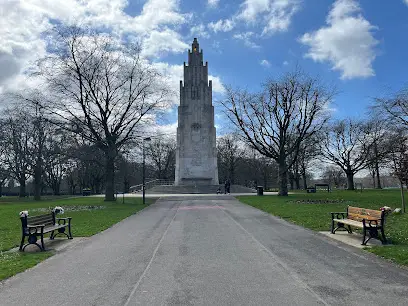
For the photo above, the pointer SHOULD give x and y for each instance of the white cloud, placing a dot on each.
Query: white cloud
(166, 41)
(23, 23)
(265, 63)
(217, 86)
(246, 38)
(346, 42)
(285, 63)
(199, 31)
(406, 2)
(274, 15)
(213, 3)
(222, 25)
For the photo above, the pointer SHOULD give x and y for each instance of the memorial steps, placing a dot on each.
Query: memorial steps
(198, 189)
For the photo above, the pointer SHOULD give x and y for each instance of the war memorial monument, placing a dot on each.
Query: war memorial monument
(196, 154)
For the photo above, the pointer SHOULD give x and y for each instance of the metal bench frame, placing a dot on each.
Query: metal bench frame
(37, 226)
(371, 227)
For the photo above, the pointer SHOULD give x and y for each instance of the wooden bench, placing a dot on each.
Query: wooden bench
(370, 221)
(326, 186)
(37, 226)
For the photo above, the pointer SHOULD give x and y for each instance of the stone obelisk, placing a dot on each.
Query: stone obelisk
(196, 155)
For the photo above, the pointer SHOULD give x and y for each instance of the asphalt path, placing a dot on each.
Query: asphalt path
(208, 251)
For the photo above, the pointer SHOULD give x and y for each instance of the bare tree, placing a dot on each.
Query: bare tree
(161, 152)
(308, 152)
(102, 90)
(230, 153)
(396, 107)
(56, 158)
(347, 143)
(380, 130)
(277, 120)
(17, 156)
(334, 176)
(4, 170)
(399, 161)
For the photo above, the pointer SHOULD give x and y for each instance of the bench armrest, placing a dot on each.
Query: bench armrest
(64, 220)
(339, 215)
(35, 229)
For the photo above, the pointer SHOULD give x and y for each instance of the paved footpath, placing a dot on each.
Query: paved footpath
(208, 251)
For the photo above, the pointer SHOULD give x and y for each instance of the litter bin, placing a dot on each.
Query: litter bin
(259, 190)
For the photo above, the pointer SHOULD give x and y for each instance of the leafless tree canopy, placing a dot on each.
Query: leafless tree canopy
(230, 152)
(162, 154)
(277, 120)
(348, 144)
(102, 90)
(396, 107)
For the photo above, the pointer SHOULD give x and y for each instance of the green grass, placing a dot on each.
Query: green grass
(85, 222)
(13, 263)
(315, 214)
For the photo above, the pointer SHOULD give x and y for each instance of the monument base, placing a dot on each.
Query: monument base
(196, 181)
(197, 189)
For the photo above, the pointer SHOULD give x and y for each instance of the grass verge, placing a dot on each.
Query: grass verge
(90, 215)
(313, 211)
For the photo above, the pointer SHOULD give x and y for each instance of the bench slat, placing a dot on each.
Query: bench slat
(360, 218)
(364, 212)
(41, 219)
(349, 222)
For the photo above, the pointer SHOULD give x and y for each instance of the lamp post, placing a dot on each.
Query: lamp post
(144, 168)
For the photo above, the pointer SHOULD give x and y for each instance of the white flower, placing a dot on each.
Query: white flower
(397, 211)
(58, 210)
(23, 213)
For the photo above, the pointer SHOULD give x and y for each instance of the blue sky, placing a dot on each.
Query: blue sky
(358, 46)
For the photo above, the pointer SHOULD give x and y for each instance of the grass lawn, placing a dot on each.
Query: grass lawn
(82, 209)
(312, 210)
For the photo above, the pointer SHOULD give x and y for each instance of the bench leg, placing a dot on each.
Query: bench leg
(69, 229)
(384, 239)
(32, 239)
(52, 236)
(341, 225)
(364, 237)
(22, 243)
(42, 242)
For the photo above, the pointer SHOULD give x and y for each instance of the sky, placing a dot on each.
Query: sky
(356, 46)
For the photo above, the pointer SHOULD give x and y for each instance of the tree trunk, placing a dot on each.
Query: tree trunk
(297, 182)
(350, 180)
(56, 188)
(373, 177)
(22, 188)
(37, 181)
(126, 186)
(377, 172)
(110, 175)
(304, 181)
(1, 189)
(376, 166)
(402, 197)
(282, 178)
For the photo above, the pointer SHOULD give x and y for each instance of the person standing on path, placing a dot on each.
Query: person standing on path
(227, 186)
